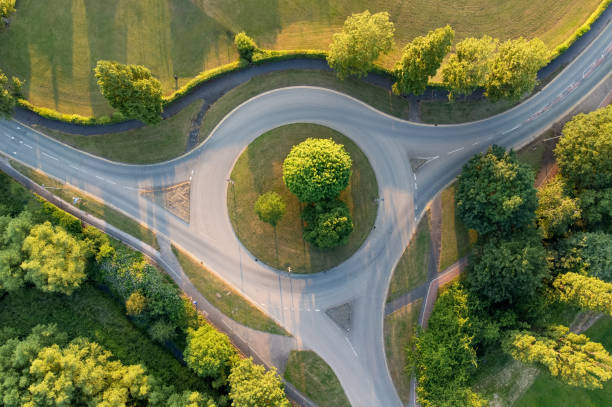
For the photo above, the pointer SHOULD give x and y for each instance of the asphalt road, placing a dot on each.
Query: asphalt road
(298, 302)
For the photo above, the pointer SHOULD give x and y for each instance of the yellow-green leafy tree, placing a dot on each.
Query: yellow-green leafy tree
(584, 291)
(251, 385)
(556, 210)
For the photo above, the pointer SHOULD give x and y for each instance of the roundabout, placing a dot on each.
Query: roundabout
(299, 302)
(259, 170)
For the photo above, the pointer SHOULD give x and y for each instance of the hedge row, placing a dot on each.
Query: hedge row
(581, 30)
(263, 56)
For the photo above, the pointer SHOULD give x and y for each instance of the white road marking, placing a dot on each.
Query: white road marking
(416, 186)
(512, 129)
(351, 345)
(474, 144)
(27, 145)
(99, 177)
(454, 151)
(414, 176)
(50, 156)
(317, 310)
(73, 166)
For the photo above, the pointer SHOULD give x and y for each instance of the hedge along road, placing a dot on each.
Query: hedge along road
(299, 302)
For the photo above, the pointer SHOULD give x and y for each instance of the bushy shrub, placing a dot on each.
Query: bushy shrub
(63, 219)
(135, 304)
(246, 45)
(328, 224)
(6, 7)
(270, 207)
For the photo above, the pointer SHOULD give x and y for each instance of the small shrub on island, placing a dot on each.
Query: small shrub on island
(270, 208)
(246, 46)
(328, 224)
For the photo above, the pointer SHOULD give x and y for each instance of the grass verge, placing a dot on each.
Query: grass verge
(411, 270)
(225, 298)
(443, 112)
(398, 329)
(259, 170)
(375, 96)
(93, 314)
(150, 144)
(457, 239)
(90, 205)
(546, 391)
(313, 377)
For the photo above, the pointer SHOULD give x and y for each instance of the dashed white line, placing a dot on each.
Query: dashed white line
(475, 143)
(512, 129)
(351, 345)
(454, 151)
(50, 156)
(99, 177)
(27, 145)
(73, 166)
(414, 176)
(416, 186)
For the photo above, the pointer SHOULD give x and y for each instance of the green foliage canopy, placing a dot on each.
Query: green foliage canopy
(586, 253)
(7, 7)
(270, 207)
(585, 292)
(55, 260)
(209, 353)
(13, 231)
(245, 45)
(421, 59)
(495, 192)
(328, 224)
(317, 170)
(584, 151)
(443, 355)
(131, 89)
(513, 71)
(467, 69)
(363, 38)
(556, 211)
(9, 92)
(252, 386)
(572, 358)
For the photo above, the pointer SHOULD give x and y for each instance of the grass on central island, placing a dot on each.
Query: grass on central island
(259, 170)
(313, 377)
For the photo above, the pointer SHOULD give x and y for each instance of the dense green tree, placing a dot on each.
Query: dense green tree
(596, 207)
(467, 69)
(135, 304)
(131, 89)
(443, 355)
(189, 399)
(363, 38)
(209, 353)
(556, 211)
(572, 358)
(41, 370)
(317, 169)
(13, 231)
(55, 261)
(495, 192)
(506, 272)
(584, 151)
(421, 59)
(585, 253)
(6, 8)
(163, 302)
(328, 224)
(270, 207)
(252, 386)
(9, 92)
(513, 71)
(245, 45)
(583, 291)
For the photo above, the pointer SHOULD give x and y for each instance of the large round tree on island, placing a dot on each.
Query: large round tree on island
(317, 169)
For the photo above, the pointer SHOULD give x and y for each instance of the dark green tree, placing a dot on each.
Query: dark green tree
(495, 192)
(421, 59)
(363, 38)
(507, 272)
(328, 224)
(317, 170)
(131, 89)
(513, 71)
(252, 386)
(13, 232)
(584, 151)
(585, 253)
(596, 208)
(270, 208)
(9, 92)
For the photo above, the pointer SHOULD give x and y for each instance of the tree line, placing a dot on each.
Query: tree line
(538, 251)
(47, 249)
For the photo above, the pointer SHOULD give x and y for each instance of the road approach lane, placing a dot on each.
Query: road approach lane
(298, 302)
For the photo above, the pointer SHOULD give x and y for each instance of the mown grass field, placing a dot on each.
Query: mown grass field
(259, 170)
(411, 270)
(313, 377)
(55, 45)
(457, 240)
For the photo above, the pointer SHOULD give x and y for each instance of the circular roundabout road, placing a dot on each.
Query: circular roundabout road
(299, 302)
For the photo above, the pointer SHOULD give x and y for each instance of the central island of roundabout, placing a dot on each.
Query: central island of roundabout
(320, 221)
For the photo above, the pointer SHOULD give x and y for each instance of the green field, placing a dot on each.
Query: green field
(95, 315)
(259, 170)
(443, 112)
(456, 238)
(225, 298)
(90, 205)
(411, 270)
(313, 377)
(55, 45)
(398, 329)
